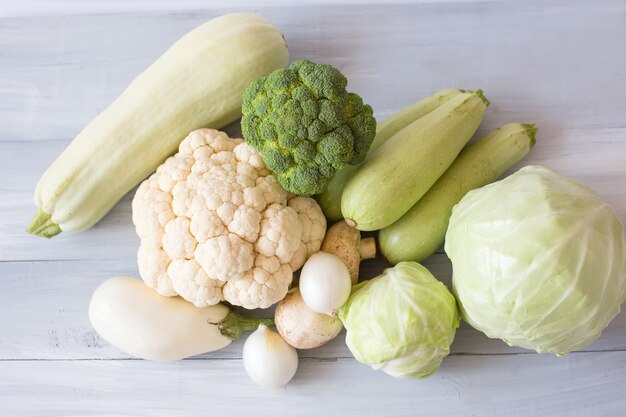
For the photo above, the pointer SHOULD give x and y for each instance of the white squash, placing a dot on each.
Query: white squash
(138, 321)
(198, 82)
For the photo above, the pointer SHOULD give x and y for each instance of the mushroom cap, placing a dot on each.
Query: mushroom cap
(302, 327)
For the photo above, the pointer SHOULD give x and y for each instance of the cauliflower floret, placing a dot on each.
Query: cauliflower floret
(153, 263)
(281, 232)
(215, 225)
(152, 210)
(225, 257)
(191, 282)
(259, 284)
(313, 229)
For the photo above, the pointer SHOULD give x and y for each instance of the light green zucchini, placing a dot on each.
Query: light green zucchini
(330, 200)
(400, 172)
(418, 234)
(198, 82)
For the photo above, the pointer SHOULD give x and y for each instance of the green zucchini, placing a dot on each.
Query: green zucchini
(418, 234)
(400, 172)
(198, 82)
(330, 200)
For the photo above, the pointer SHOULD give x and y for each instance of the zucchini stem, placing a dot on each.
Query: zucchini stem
(531, 130)
(42, 225)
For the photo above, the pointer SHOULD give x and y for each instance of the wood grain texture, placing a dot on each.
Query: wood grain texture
(486, 386)
(55, 7)
(57, 327)
(559, 64)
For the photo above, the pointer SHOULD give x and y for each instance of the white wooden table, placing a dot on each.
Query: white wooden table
(561, 65)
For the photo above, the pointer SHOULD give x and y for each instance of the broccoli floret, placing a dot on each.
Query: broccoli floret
(306, 125)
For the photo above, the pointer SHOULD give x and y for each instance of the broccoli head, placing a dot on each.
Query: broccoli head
(306, 125)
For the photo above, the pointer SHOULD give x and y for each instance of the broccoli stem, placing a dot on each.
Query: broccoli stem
(42, 225)
(234, 324)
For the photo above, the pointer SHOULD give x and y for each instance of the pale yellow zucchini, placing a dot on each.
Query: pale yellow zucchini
(418, 234)
(330, 200)
(196, 83)
(399, 173)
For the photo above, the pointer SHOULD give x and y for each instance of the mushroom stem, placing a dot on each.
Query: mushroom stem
(367, 248)
(345, 241)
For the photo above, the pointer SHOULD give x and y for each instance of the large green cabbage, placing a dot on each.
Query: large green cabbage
(401, 322)
(539, 260)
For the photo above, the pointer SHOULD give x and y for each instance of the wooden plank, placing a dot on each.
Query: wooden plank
(594, 156)
(535, 63)
(43, 306)
(56, 74)
(53, 7)
(580, 385)
(555, 63)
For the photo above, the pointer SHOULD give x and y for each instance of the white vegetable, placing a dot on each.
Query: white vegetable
(268, 359)
(539, 261)
(302, 327)
(215, 225)
(325, 283)
(138, 321)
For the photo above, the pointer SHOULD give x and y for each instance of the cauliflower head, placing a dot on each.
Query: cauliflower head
(216, 225)
(306, 125)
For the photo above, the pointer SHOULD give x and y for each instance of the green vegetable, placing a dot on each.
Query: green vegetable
(539, 261)
(400, 172)
(306, 125)
(330, 200)
(401, 322)
(418, 234)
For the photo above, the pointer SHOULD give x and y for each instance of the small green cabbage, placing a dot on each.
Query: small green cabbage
(401, 322)
(539, 260)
